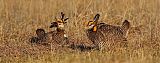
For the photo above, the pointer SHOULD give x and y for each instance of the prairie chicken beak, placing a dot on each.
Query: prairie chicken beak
(91, 26)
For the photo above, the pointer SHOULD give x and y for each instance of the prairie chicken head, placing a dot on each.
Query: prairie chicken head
(40, 33)
(40, 36)
(126, 25)
(59, 23)
(92, 24)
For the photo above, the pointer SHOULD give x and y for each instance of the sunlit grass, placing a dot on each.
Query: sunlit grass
(20, 18)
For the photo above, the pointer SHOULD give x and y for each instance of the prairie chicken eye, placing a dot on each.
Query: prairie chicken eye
(60, 24)
(90, 23)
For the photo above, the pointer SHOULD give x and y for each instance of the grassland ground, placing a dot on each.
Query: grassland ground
(20, 18)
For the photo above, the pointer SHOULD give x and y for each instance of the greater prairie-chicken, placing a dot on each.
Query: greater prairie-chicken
(42, 37)
(59, 36)
(102, 34)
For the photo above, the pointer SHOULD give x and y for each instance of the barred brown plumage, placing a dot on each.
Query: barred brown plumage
(56, 37)
(42, 37)
(104, 35)
(59, 36)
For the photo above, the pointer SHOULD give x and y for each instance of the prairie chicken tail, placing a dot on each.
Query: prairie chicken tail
(126, 25)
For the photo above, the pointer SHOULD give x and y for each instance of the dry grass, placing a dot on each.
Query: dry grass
(20, 18)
